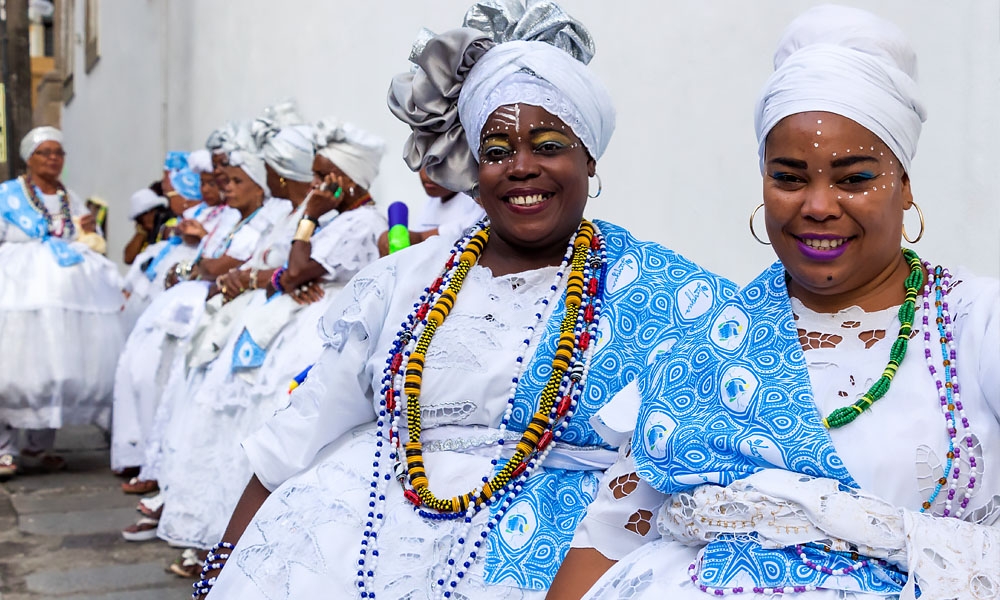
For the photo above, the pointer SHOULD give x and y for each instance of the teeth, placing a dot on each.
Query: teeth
(527, 200)
(823, 244)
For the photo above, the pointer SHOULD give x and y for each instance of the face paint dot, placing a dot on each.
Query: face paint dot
(819, 121)
(815, 145)
(850, 196)
(831, 187)
(873, 148)
(835, 154)
(866, 193)
(848, 149)
(819, 132)
(820, 170)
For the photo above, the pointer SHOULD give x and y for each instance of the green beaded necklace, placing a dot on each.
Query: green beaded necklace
(845, 414)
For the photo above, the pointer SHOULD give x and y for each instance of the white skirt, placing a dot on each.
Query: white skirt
(61, 330)
(305, 540)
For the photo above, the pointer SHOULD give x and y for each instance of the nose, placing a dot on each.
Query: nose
(523, 165)
(822, 202)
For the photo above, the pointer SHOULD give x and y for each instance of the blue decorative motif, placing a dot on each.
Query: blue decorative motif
(18, 210)
(175, 161)
(172, 243)
(187, 183)
(734, 398)
(651, 296)
(247, 354)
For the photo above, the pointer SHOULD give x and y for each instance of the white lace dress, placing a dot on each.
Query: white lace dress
(158, 344)
(204, 468)
(60, 328)
(894, 452)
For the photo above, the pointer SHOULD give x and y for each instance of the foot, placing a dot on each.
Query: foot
(8, 466)
(127, 472)
(42, 461)
(188, 565)
(139, 486)
(151, 507)
(142, 530)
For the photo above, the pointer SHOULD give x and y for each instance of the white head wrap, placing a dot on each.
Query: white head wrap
(253, 166)
(144, 200)
(200, 161)
(36, 137)
(354, 151)
(234, 135)
(849, 62)
(289, 151)
(542, 75)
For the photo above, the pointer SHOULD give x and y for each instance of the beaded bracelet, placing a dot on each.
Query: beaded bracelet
(276, 280)
(203, 586)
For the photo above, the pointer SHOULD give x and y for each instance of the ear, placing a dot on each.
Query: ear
(591, 167)
(906, 191)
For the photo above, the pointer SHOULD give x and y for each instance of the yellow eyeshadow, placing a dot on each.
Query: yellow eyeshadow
(496, 142)
(551, 136)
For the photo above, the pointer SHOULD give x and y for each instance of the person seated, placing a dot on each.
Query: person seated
(447, 419)
(446, 213)
(834, 430)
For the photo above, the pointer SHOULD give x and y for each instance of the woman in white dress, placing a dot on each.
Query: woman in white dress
(286, 287)
(834, 430)
(60, 310)
(487, 368)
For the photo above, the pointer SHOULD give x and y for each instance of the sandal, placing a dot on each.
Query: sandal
(188, 565)
(8, 466)
(151, 507)
(140, 486)
(142, 530)
(42, 461)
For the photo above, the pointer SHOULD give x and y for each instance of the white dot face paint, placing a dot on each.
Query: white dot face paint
(815, 144)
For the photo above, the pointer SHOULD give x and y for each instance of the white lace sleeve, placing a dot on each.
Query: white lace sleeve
(622, 517)
(348, 242)
(337, 394)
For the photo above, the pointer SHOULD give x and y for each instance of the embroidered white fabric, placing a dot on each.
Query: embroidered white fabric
(894, 451)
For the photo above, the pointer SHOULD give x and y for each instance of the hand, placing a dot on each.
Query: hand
(192, 231)
(307, 293)
(233, 283)
(415, 238)
(88, 224)
(171, 278)
(323, 201)
(383, 244)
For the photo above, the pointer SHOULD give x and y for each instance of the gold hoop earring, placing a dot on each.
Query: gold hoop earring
(600, 187)
(920, 214)
(752, 232)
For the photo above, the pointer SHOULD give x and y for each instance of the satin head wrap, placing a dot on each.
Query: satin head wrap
(849, 62)
(200, 161)
(506, 54)
(253, 166)
(234, 135)
(354, 151)
(36, 137)
(289, 151)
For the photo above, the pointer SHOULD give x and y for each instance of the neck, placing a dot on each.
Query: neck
(355, 201)
(505, 259)
(448, 197)
(885, 290)
(248, 210)
(297, 192)
(47, 185)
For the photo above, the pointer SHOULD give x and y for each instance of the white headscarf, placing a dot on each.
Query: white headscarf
(289, 151)
(253, 166)
(200, 161)
(849, 62)
(144, 200)
(353, 150)
(36, 137)
(542, 75)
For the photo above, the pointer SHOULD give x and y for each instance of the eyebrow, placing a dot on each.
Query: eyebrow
(791, 163)
(847, 161)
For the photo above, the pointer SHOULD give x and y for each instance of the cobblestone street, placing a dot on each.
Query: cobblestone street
(59, 533)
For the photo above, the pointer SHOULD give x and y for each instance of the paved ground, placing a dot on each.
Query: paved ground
(59, 533)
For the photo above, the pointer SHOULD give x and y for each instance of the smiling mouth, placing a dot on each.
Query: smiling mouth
(824, 244)
(528, 200)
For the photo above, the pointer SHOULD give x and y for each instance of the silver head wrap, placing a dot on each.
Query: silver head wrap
(36, 137)
(849, 62)
(234, 135)
(200, 161)
(289, 151)
(506, 54)
(253, 166)
(356, 152)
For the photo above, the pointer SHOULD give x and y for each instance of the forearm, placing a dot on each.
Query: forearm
(252, 499)
(210, 268)
(301, 267)
(134, 247)
(579, 572)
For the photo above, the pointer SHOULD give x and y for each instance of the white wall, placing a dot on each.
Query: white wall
(684, 74)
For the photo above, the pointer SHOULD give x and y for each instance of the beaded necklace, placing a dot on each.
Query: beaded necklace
(67, 217)
(948, 390)
(845, 414)
(585, 257)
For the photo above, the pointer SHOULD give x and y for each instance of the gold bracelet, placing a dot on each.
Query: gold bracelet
(253, 279)
(304, 231)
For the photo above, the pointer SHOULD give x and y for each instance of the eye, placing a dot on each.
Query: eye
(858, 178)
(549, 147)
(786, 178)
(494, 152)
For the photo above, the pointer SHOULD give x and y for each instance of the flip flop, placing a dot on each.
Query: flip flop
(142, 530)
(139, 486)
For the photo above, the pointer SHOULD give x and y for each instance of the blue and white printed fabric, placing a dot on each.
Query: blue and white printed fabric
(651, 297)
(732, 399)
(18, 210)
